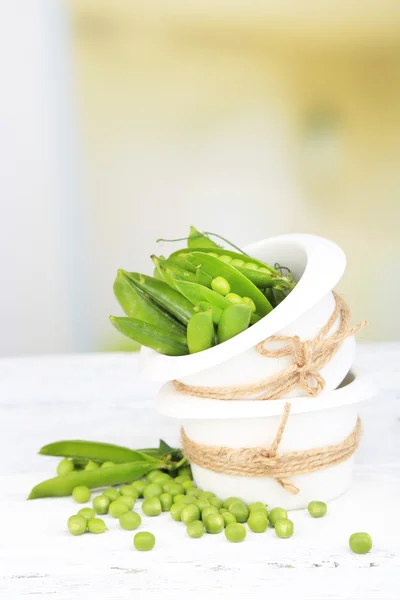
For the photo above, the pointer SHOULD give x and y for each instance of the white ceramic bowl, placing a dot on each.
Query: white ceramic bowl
(312, 423)
(317, 264)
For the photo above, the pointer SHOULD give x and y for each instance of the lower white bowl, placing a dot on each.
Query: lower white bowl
(313, 423)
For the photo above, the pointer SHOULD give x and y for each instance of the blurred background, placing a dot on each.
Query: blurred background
(126, 121)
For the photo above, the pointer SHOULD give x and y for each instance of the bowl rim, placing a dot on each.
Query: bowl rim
(325, 264)
(170, 403)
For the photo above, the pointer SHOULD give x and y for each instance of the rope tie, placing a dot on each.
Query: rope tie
(265, 462)
(309, 357)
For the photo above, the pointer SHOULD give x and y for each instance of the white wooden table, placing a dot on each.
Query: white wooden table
(100, 397)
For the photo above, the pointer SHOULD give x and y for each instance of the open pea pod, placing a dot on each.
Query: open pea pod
(239, 283)
(169, 299)
(167, 270)
(165, 341)
(137, 304)
(199, 240)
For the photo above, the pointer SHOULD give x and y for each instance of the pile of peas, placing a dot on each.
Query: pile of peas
(200, 511)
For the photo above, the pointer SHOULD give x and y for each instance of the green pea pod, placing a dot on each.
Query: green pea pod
(96, 451)
(136, 304)
(200, 332)
(216, 312)
(269, 294)
(239, 283)
(234, 320)
(169, 299)
(167, 270)
(279, 295)
(163, 340)
(199, 240)
(122, 473)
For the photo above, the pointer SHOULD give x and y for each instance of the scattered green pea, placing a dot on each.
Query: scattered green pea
(235, 532)
(188, 485)
(202, 504)
(190, 513)
(317, 509)
(77, 524)
(96, 525)
(206, 496)
(152, 507)
(284, 528)
(360, 543)
(91, 466)
(239, 510)
(173, 488)
(128, 500)
(101, 504)
(250, 302)
(128, 490)
(229, 518)
(194, 491)
(182, 478)
(258, 521)
(144, 541)
(185, 471)
(87, 512)
(214, 523)
(111, 493)
(166, 501)
(153, 474)
(275, 514)
(65, 466)
(130, 520)
(139, 486)
(176, 511)
(195, 529)
(179, 498)
(221, 286)
(257, 506)
(107, 464)
(81, 494)
(153, 490)
(161, 478)
(234, 298)
(216, 502)
(229, 501)
(117, 508)
(208, 510)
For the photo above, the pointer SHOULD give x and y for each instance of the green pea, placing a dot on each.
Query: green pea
(249, 302)
(96, 525)
(229, 518)
(128, 490)
(216, 502)
(234, 298)
(237, 262)
(200, 331)
(153, 490)
(107, 464)
(284, 528)
(182, 478)
(152, 507)
(360, 543)
(208, 510)
(188, 485)
(117, 508)
(65, 466)
(194, 491)
(202, 504)
(176, 510)
(173, 488)
(91, 466)
(190, 513)
(251, 266)
(101, 504)
(77, 524)
(222, 510)
(317, 509)
(214, 523)
(144, 541)
(130, 520)
(161, 478)
(81, 494)
(258, 521)
(235, 532)
(239, 510)
(225, 258)
(139, 486)
(150, 476)
(221, 286)
(206, 496)
(185, 471)
(275, 514)
(229, 501)
(179, 497)
(195, 529)
(257, 506)
(111, 493)
(128, 500)
(87, 512)
(166, 501)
